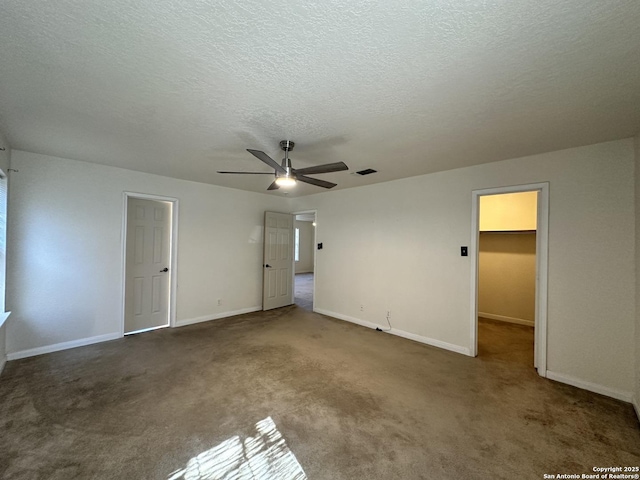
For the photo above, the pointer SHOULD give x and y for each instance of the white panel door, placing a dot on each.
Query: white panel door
(147, 264)
(278, 260)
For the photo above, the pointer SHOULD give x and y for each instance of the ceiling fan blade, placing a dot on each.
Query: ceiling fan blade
(326, 168)
(267, 159)
(248, 173)
(315, 181)
(273, 186)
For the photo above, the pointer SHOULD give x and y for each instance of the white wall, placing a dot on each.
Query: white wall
(5, 162)
(305, 264)
(396, 246)
(65, 264)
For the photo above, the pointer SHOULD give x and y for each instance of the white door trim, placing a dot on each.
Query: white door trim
(315, 251)
(173, 269)
(542, 256)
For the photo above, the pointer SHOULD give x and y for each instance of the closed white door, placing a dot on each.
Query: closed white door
(147, 264)
(278, 260)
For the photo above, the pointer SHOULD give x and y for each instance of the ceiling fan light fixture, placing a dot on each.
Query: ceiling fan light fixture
(285, 181)
(286, 175)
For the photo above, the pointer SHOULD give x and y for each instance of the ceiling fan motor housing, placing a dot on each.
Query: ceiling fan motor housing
(287, 145)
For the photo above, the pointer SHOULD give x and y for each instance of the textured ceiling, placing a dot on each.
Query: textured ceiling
(182, 88)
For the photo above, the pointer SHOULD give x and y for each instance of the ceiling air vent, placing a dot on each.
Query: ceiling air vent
(368, 171)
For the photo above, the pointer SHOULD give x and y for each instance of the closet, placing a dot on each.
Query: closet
(507, 260)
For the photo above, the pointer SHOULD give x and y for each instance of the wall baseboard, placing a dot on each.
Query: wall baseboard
(592, 387)
(636, 406)
(32, 352)
(431, 341)
(395, 331)
(56, 347)
(347, 318)
(305, 270)
(502, 318)
(3, 362)
(216, 316)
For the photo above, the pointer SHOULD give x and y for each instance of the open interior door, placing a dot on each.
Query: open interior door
(278, 263)
(148, 258)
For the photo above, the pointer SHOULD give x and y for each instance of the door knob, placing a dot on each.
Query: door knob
(268, 266)
(164, 270)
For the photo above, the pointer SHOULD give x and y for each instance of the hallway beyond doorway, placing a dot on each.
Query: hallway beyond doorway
(304, 290)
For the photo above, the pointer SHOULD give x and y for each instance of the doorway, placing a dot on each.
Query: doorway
(304, 259)
(149, 252)
(509, 274)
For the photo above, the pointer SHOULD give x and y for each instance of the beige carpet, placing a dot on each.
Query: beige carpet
(323, 397)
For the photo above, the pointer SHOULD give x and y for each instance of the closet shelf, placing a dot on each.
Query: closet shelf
(508, 231)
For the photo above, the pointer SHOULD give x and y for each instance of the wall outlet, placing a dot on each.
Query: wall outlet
(362, 308)
(388, 314)
(219, 302)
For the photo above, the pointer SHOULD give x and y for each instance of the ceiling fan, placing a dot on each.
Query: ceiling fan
(286, 175)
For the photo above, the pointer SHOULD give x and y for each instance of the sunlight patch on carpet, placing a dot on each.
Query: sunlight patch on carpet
(265, 456)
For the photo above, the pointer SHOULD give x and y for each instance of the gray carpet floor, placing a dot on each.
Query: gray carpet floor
(303, 291)
(348, 402)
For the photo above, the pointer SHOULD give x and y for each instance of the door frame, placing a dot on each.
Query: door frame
(542, 274)
(173, 264)
(315, 257)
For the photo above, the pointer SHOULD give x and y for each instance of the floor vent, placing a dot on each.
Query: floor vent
(368, 171)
